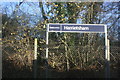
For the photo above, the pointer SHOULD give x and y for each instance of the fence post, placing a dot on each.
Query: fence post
(35, 59)
(108, 42)
(108, 59)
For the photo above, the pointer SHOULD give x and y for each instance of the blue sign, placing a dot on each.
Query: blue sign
(76, 28)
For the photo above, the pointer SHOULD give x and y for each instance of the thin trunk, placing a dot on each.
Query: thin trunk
(66, 53)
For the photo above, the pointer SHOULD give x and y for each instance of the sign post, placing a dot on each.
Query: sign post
(47, 36)
(47, 42)
(81, 28)
(107, 61)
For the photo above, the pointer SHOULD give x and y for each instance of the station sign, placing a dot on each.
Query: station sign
(76, 28)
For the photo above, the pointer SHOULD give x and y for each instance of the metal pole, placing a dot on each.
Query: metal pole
(107, 72)
(47, 34)
(35, 58)
(47, 43)
(106, 49)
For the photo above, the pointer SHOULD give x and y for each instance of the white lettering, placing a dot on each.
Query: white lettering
(75, 28)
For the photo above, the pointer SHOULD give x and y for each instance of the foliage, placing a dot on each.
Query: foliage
(66, 50)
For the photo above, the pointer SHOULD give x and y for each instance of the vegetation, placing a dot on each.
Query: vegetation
(66, 50)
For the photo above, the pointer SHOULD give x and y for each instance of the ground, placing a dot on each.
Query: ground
(9, 71)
